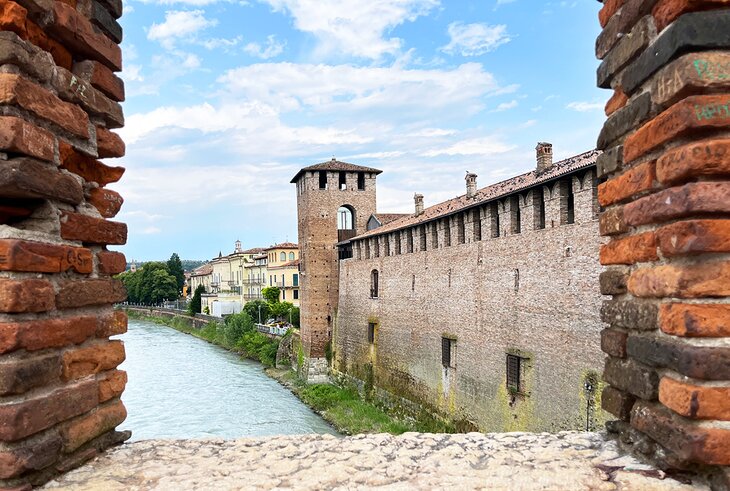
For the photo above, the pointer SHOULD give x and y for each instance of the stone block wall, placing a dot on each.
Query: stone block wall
(59, 100)
(666, 198)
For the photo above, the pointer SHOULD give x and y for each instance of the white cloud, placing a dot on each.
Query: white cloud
(150, 230)
(353, 27)
(221, 42)
(474, 146)
(179, 25)
(504, 2)
(507, 105)
(432, 132)
(132, 73)
(273, 48)
(475, 39)
(585, 106)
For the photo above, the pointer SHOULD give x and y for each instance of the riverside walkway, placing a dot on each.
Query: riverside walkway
(504, 461)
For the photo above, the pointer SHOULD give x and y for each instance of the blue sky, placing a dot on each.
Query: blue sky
(227, 99)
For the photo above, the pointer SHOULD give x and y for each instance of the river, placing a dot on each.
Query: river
(183, 387)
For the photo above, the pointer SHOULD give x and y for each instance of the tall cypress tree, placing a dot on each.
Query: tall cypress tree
(174, 266)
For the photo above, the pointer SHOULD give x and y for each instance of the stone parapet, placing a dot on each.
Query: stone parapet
(59, 100)
(666, 198)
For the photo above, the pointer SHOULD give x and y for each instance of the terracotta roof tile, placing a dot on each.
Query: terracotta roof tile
(288, 264)
(283, 245)
(203, 270)
(385, 218)
(336, 165)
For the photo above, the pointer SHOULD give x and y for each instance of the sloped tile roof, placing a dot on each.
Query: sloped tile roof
(288, 264)
(203, 270)
(385, 218)
(490, 193)
(336, 165)
(255, 250)
(283, 245)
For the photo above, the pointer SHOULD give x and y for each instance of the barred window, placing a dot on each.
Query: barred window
(448, 352)
(371, 332)
(514, 363)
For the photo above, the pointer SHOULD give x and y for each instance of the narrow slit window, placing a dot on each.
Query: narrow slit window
(460, 228)
(571, 204)
(343, 181)
(476, 220)
(409, 240)
(387, 245)
(448, 357)
(540, 204)
(361, 181)
(374, 280)
(371, 332)
(495, 220)
(516, 216)
(422, 237)
(322, 179)
(447, 232)
(514, 365)
(396, 235)
(434, 236)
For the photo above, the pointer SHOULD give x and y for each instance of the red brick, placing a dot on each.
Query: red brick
(108, 202)
(21, 374)
(684, 438)
(633, 181)
(695, 320)
(630, 250)
(19, 136)
(92, 230)
(691, 74)
(667, 11)
(17, 90)
(41, 334)
(679, 202)
(111, 384)
(101, 77)
(704, 112)
(74, 30)
(39, 257)
(30, 455)
(88, 360)
(111, 262)
(29, 416)
(695, 401)
(112, 325)
(30, 295)
(89, 426)
(613, 342)
(699, 159)
(13, 213)
(109, 144)
(82, 292)
(14, 18)
(694, 237)
(78, 91)
(616, 102)
(611, 221)
(610, 7)
(87, 167)
(617, 402)
(704, 279)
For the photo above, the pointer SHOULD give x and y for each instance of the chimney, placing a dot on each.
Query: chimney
(544, 156)
(418, 198)
(471, 184)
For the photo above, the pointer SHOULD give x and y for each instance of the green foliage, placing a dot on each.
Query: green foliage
(150, 285)
(206, 310)
(281, 310)
(295, 316)
(175, 268)
(271, 294)
(236, 326)
(195, 304)
(190, 264)
(252, 309)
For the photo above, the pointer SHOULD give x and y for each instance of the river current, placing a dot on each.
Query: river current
(183, 387)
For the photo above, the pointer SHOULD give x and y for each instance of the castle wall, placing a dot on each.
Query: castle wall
(533, 293)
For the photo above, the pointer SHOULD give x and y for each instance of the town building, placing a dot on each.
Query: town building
(283, 270)
(227, 279)
(202, 275)
(255, 277)
(483, 309)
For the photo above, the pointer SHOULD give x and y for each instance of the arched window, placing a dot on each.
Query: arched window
(374, 283)
(291, 256)
(344, 218)
(282, 256)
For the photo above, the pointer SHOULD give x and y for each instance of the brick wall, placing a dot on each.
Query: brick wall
(667, 199)
(59, 101)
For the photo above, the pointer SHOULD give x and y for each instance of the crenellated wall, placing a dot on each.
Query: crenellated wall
(59, 100)
(667, 204)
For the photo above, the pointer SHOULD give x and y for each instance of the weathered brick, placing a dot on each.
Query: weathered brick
(679, 202)
(112, 325)
(611, 222)
(631, 12)
(609, 8)
(695, 401)
(110, 262)
(690, 442)
(28, 455)
(103, 19)
(625, 51)
(617, 402)
(19, 375)
(81, 292)
(109, 144)
(699, 30)
(30, 295)
(701, 362)
(41, 334)
(92, 359)
(114, 7)
(16, 211)
(667, 11)
(695, 320)
(624, 121)
(17, 90)
(87, 167)
(79, 91)
(687, 116)
(700, 159)
(23, 418)
(19, 136)
(704, 279)
(101, 77)
(609, 161)
(691, 74)
(111, 384)
(632, 182)
(630, 314)
(26, 178)
(616, 102)
(613, 281)
(694, 237)
(630, 250)
(88, 426)
(613, 342)
(40, 257)
(37, 63)
(632, 377)
(92, 230)
(108, 202)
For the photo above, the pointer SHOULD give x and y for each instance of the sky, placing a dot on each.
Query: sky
(228, 99)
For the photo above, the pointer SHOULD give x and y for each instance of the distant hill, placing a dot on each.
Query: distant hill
(187, 264)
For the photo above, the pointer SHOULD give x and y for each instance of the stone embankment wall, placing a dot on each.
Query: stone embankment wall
(59, 100)
(667, 200)
(198, 322)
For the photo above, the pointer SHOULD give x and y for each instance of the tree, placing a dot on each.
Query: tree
(195, 304)
(162, 287)
(174, 266)
(236, 326)
(254, 307)
(294, 315)
(281, 310)
(271, 294)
